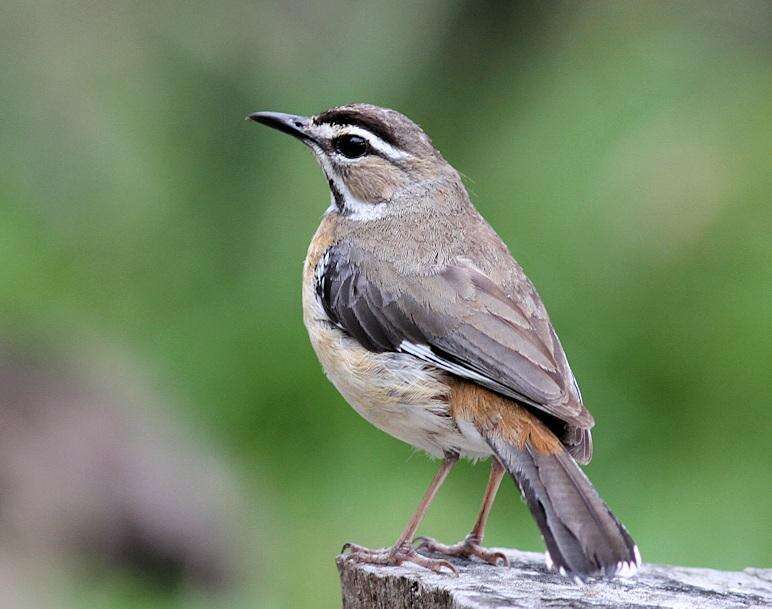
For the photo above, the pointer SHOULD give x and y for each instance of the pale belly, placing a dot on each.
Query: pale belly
(396, 392)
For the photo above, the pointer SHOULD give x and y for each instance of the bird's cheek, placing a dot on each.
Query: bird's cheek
(378, 185)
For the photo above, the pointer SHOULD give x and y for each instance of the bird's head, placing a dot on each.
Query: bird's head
(375, 159)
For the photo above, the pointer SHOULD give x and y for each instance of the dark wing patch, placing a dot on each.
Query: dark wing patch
(461, 321)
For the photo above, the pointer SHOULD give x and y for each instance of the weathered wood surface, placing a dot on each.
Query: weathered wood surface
(528, 584)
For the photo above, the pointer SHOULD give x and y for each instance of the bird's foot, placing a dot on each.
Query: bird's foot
(464, 549)
(395, 556)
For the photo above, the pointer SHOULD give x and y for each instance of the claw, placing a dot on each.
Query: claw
(436, 565)
(442, 564)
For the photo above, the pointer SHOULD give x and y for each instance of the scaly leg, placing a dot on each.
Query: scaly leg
(402, 550)
(470, 546)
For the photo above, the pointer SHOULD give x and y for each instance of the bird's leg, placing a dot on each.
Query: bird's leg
(470, 546)
(402, 550)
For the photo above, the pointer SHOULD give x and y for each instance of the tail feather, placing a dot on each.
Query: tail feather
(583, 538)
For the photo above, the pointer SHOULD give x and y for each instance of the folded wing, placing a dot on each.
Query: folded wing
(458, 319)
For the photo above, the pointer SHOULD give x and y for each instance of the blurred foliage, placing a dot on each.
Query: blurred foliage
(620, 149)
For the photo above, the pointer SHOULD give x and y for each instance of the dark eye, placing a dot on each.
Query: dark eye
(351, 146)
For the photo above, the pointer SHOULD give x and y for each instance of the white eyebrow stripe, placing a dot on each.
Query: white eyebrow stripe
(326, 130)
(330, 131)
(376, 142)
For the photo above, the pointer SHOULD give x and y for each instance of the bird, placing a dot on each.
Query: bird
(428, 327)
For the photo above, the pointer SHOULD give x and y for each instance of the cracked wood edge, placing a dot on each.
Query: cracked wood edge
(528, 584)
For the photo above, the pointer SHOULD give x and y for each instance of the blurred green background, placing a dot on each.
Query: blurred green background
(622, 150)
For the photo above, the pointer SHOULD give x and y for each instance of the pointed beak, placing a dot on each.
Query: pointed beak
(296, 126)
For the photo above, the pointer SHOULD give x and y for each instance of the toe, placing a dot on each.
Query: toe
(495, 558)
(445, 564)
(436, 565)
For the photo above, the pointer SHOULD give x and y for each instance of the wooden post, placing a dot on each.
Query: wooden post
(528, 584)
